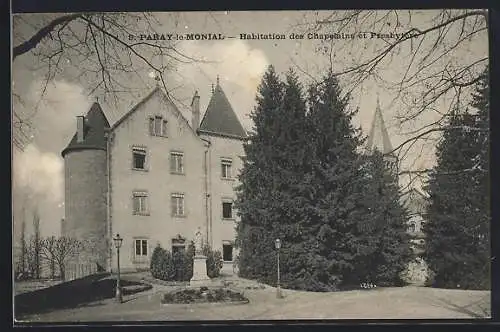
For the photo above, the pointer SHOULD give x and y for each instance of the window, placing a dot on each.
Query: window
(139, 158)
(140, 205)
(177, 162)
(227, 251)
(141, 248)
(227, 210)
(226, 168)
(178, 205)
(157, 126)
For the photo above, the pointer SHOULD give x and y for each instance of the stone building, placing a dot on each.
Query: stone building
(154, 178)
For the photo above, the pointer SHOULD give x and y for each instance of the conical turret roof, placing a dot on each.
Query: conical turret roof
(95, 125)
(220, 118)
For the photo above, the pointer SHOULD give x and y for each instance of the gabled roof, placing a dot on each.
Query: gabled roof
(220, 118)
(126, 115)
(95, 126)
(162, 95)
(379, 137)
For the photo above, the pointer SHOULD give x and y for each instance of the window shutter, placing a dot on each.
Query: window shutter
(173, 205)
(164, 128)
(181, 206)
(172, 163)
(137, 247)
(145, 204)
(151, 126)
(135, 204)
(157, 125)
(181, 163)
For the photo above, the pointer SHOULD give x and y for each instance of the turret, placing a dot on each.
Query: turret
(85, 182)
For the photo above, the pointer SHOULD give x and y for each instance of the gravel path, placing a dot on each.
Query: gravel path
(380, 303)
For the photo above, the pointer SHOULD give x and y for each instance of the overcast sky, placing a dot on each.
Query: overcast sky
(239, 63)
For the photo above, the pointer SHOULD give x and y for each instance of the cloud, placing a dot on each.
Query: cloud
(55, 121)
(239, 67)
(39, 168)
(234, 61)
(39, 173)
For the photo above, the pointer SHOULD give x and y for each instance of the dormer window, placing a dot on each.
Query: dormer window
(158, 126)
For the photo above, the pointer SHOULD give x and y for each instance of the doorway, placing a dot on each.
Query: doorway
(227, 252)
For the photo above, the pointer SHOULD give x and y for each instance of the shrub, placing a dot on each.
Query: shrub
(214, 261)
(188, 262)
(179, 262)
(167, 266)
(155, 262)
(179, 266)
(200, 295)
(162, 265)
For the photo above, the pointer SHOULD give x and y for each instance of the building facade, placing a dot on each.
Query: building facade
(154, 179)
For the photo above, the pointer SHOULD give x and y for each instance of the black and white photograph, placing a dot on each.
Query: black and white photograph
(251, 165)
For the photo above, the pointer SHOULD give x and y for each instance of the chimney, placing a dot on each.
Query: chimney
(80, 120)
(195, 110)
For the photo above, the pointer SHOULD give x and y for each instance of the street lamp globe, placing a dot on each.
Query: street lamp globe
(118, 241)
(277, 243)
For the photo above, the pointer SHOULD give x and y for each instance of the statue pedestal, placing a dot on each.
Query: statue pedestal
(200, 277)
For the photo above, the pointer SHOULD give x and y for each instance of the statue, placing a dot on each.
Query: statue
(200, 277)
(198, 242)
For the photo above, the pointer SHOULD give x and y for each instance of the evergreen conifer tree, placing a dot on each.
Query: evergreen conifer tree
(335, 186)
(269, 202)
(386, 240)
(457, 244)
(257, 177)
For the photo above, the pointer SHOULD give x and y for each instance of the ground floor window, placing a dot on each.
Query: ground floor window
(227, 252)
(141, 248)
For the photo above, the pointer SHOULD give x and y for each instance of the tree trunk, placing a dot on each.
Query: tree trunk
(62, 272)
(52, 268)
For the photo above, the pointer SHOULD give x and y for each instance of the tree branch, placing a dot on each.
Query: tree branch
(41, 34)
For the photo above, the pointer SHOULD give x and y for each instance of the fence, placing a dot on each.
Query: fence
(79, 270)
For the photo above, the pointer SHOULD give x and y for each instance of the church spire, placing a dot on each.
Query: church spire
(378, 137)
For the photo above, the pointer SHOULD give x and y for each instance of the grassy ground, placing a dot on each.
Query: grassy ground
(380, 303)
(33, 285)
(72, 294)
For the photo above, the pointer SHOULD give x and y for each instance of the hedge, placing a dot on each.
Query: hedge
(179, 266)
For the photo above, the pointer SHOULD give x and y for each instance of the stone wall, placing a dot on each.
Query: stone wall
(85, 202)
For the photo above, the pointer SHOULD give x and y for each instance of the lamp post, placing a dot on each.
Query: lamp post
(277, 245)
(118, 243)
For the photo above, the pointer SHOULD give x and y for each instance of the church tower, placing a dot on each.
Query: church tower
(378, 139)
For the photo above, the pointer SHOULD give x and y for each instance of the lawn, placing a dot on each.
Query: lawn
(379, 303)
(73, 294)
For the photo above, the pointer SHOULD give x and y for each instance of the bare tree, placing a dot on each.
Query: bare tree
(22, 253)
(427, 60)
(49, 253)
(36, 246)
(107, 53)
(64, 249)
